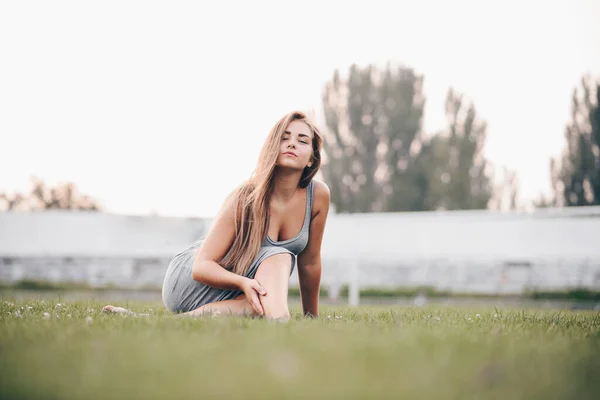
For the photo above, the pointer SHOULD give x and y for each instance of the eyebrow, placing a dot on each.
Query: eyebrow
(300, 134)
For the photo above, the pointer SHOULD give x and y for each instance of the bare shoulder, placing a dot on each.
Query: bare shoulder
(322, 197)
(321, 190)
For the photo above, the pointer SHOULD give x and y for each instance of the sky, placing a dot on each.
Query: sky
(162, 107)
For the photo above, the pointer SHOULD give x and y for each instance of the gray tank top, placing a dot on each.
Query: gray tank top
(298, 242)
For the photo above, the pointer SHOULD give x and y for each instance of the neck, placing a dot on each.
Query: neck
(285, 184)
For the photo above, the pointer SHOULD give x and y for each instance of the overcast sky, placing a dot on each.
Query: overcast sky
(163, 106)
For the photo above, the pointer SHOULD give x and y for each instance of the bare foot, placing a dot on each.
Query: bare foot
(119, 310)
(283, 319)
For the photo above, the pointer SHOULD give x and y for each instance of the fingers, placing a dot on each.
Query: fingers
(261, 290)
(255, 303)
(256, 286)
(252, 291)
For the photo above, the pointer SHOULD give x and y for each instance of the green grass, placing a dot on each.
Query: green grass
(367, 352)
(575, 294)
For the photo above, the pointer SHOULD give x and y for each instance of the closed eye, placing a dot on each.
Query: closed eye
(303, 141)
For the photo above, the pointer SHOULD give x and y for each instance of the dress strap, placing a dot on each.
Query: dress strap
(310, 194)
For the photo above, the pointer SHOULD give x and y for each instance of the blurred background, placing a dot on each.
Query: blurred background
(462, 140)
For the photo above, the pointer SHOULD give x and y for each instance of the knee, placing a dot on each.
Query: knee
(277, 262)
(284, 259)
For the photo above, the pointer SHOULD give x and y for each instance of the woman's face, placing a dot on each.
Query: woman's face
(295, 151)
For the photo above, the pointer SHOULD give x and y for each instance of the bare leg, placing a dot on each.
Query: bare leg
(237, 306)
(273, 274)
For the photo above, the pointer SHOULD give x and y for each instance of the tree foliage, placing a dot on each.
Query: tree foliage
(378, 157)
(575, 175)
(63, 196)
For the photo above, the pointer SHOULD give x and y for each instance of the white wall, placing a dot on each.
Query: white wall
(469, 251)
(59, 233)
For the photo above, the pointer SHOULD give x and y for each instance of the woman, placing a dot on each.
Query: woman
(266, 227)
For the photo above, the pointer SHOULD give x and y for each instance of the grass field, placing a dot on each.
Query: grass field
(55, 350)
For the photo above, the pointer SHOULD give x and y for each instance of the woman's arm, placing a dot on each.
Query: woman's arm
(207, 270)
(309, 261)
(216, 243)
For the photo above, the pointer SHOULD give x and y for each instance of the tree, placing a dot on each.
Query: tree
(576, 174)
(373, 121)
(377, 156)
(451, 171)
(63, 196)
(466, 180)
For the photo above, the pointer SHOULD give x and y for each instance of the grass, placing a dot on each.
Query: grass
(575, 294)
(75, 351)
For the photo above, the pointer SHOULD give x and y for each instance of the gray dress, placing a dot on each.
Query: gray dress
(181, 293)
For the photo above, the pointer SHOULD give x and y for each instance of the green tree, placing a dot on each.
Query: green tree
(373, 123)
(466, 179)
(451, 170)
(576, 174)
(377, 158)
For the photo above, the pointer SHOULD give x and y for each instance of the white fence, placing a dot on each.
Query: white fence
(463, 251)
(466, 251)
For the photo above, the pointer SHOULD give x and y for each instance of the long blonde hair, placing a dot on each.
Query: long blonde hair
(251, 199)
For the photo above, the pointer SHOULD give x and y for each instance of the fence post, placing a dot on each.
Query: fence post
(354, 286)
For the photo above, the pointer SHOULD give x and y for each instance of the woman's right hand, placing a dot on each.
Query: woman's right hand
(252, 289)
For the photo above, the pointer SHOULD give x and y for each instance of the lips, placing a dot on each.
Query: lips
(289, 153)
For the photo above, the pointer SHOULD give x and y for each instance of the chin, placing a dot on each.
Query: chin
(289, 166)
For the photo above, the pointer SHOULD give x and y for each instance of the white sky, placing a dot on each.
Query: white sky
(163, 106)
